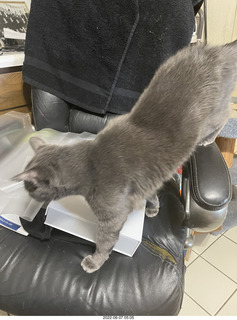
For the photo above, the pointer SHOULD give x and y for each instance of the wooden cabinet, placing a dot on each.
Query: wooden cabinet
(14, 93)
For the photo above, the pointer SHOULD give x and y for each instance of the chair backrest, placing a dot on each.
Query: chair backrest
(50, 111)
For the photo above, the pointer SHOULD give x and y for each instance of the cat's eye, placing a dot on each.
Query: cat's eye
(46, 182)
(30, 186)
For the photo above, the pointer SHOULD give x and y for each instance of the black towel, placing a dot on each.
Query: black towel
(100, 55)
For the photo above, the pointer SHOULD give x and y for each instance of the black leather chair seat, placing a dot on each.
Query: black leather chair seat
(45, 277)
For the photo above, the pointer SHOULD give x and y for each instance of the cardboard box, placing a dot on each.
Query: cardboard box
(73, 215)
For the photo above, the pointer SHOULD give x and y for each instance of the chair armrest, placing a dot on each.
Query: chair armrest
(206, 189)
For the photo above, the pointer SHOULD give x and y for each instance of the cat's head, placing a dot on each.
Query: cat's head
(41, 176)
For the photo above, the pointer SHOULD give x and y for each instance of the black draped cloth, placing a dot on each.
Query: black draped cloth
(100, 55)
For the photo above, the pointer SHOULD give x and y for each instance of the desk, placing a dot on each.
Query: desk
(11, 59)
(14, 93)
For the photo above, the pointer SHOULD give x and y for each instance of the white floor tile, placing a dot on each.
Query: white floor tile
(3, 313)
(192, 257)
(191, 308)
(208, 286)
(203, 241)
(223, 255)
(230, 308)
(231, 233)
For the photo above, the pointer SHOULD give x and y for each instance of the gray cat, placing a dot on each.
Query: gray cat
(186, 104)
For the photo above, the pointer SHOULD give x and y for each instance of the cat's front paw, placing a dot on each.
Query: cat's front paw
(89, 264)
(152, 212)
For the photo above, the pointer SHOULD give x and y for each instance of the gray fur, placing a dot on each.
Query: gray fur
(186, 104)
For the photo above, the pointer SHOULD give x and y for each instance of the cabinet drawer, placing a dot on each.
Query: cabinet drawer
(13, 92)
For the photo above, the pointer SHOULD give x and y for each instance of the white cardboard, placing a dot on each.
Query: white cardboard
(74, 215)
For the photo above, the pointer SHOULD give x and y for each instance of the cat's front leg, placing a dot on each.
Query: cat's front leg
(152, 206)
(91, 264)
(108, 234)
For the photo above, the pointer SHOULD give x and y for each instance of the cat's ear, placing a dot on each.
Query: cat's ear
(28, 175)
(36, 143)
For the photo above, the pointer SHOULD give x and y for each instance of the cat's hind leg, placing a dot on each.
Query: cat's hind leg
(152, 206)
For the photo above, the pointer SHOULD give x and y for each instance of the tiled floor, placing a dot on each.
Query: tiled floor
(211, 276)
